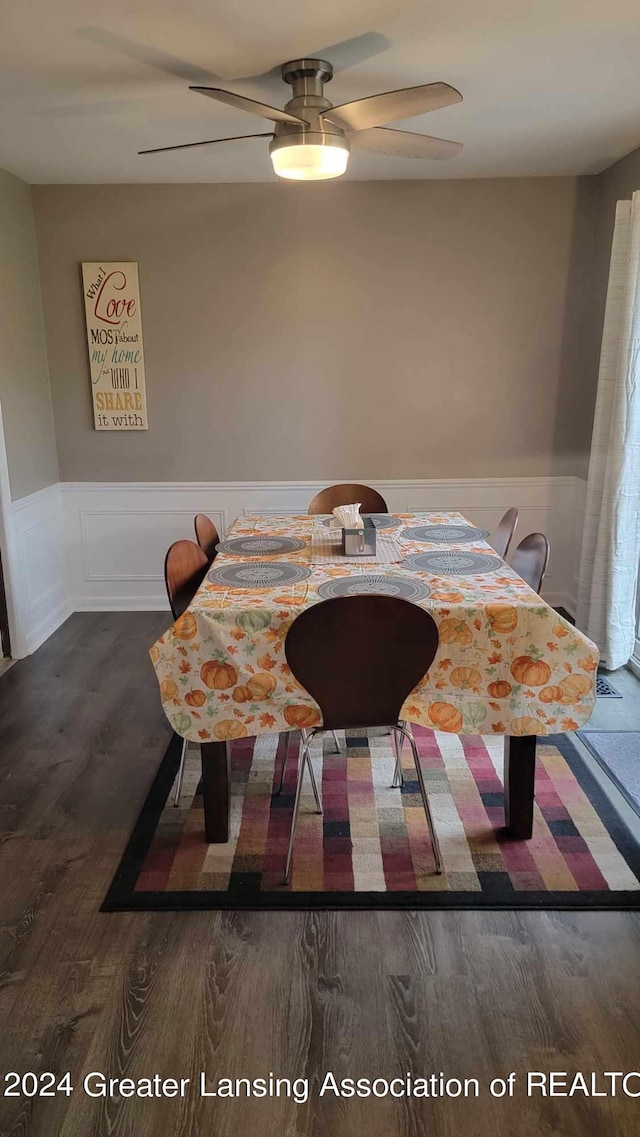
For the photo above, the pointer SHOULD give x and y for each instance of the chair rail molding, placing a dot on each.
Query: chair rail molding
(117, 533)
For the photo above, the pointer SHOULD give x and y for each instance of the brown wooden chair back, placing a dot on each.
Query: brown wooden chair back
(206, 535)
(501, 538)
(360, 657)
(184, 568)
(531, 558)
(346, 494)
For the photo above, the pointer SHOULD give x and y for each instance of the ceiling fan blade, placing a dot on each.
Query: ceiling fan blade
(351, 52)
(207, 142)
(403, 143)
(390, 106)
(274, 114)
(148, 56)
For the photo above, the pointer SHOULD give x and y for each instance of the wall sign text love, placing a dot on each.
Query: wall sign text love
(116, 350)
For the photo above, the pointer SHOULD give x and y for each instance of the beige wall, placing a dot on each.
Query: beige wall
(24, 382)
(382, 329)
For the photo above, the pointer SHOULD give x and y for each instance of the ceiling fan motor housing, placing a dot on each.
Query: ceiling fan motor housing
(307, 78)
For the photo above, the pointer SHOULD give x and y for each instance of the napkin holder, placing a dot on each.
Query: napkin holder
(360, 542)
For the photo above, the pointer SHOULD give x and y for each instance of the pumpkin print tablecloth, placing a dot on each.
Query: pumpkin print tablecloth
(506, 662)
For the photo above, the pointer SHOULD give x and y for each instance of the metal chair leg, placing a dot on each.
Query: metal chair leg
(408, 727)
(425, 800)
(183, 758)
(398, 776)
(304, 760)
(307, 735)
(296, 810)
(314, 786)
(285, 759)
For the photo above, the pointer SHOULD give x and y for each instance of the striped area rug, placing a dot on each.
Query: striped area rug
(370, 848)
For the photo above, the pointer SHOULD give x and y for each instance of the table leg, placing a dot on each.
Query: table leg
(519, 778)
(216, 790)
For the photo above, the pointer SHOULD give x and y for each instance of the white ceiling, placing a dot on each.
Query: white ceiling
(550, 86)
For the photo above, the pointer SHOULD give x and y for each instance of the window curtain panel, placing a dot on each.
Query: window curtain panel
(610, 559)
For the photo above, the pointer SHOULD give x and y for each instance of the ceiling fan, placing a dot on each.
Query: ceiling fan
(312, 139)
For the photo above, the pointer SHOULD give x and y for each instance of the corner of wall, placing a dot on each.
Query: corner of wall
(44, 336)
(34, 560)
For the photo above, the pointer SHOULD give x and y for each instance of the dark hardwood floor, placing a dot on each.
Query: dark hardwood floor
(241, 995)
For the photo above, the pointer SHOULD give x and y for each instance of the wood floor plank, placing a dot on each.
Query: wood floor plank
(241, 995)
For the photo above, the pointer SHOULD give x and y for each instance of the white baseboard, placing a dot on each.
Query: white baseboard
(156, 603)
(37, 635)
(117, 533)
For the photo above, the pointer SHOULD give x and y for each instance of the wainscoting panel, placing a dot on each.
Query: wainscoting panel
(117, 534)
(37, 569)
(130, 545)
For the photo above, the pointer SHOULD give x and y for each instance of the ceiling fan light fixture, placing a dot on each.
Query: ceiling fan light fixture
(318, 159)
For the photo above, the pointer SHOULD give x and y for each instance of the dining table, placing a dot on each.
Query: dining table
(507, 663)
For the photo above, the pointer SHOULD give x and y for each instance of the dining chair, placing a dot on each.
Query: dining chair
(360, 657)
(185, 566)
(501, 538)
(346, 494)
(206, 535)
(531, 558)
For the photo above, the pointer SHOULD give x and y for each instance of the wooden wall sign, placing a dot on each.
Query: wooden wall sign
(116, 351)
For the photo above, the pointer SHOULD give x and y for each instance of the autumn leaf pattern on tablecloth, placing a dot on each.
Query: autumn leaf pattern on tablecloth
(507, 663)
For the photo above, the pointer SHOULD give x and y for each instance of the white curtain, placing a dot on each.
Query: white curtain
(611, 542)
